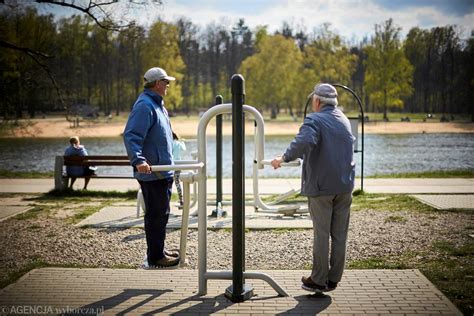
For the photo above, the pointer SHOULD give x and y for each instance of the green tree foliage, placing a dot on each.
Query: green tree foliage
(466, 87)
(211, 56)
(327, 59)
(161, 49)
(389, 73)
(129, 66)
(441, 76)
(49, 65)
(272, 73)
(417, 50)
(23, 78)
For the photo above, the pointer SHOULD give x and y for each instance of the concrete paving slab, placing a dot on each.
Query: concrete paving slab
(125, 216)
(7, 211)
(448, 202)
(266, 185)
(165, 292)
(417, 185)
(26, 185)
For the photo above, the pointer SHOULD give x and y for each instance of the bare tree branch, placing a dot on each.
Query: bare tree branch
(106, 22)
(34, 55)
(96, 10)
(26, 50)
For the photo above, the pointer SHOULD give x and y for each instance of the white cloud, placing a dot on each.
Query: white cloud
(353, 19)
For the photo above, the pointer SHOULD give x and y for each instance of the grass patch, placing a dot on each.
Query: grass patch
(9, 194)
(414, 117)
(388, 202)
(462, 173)
(377, 263)
(14, 276)
(89, 195)
(130, 194)
(296, 198)
(31, 214)
(395, 219)
(86, 212)
(123, 266)
(36, 264)
(25, 174)
(453, 273)
(228, 230)
(450, 249)
(455, 280)
(365, 201)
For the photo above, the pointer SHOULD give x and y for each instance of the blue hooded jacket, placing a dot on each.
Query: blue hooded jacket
(75, 171)
(148, 137)
(326, 144)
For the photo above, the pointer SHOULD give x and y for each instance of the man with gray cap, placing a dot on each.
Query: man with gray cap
(325, 142)
(148, 139)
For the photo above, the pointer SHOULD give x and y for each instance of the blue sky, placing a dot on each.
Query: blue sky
(353, 19)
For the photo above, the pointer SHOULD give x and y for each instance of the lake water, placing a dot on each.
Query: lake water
(384, 154)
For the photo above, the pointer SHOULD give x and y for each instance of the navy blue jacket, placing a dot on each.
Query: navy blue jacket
(326, 144)
(147, 135)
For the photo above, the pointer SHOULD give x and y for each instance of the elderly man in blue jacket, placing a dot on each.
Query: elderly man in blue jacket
(148, 139)
(325, 142)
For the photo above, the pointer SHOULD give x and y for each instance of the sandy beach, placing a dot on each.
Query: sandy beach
(186, 127)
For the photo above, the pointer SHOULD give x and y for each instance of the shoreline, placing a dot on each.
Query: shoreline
(60, 128)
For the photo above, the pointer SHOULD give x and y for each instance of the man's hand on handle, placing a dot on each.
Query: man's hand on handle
(276, 162)
(143, 168)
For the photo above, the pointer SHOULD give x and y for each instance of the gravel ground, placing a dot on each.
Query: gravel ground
(53, 240)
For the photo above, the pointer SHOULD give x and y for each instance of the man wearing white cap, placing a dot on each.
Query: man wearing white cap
(325, 142)
(148, 139)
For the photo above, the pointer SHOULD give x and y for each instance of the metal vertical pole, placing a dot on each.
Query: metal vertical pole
(219, 100)
(238, 292)
(361, 108)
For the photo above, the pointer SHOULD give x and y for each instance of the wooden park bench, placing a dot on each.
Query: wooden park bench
(61, 179)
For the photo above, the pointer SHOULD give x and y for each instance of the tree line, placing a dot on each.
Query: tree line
(58, 64)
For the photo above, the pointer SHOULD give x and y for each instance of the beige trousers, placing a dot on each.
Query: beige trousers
(330, 215)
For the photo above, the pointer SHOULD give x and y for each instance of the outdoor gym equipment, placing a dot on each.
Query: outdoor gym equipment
(238, 292)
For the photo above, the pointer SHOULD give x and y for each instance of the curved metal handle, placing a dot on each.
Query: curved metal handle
(193, 166)
(293, 163)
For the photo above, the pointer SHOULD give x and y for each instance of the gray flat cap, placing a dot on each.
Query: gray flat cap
(326, 93)
(325, 90)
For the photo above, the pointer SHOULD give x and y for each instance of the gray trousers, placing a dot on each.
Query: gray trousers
(330, 215)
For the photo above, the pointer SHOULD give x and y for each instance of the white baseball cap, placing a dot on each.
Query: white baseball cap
(156, 73)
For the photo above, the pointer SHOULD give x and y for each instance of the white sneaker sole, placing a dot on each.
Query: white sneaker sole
(146, 266)
(161, 267)
(310, 289)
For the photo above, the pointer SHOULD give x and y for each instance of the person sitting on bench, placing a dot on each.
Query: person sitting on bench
(76, 149)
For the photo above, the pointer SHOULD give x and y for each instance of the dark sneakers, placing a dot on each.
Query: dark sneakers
(309, 285)
(331, 286)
